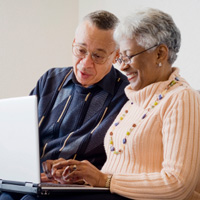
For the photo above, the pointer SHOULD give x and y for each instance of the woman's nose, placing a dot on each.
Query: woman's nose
(124, 66)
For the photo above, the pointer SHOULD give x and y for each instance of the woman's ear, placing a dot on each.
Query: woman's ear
(162, 53)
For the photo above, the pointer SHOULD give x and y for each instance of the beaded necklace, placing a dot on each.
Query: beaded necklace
(129, 131)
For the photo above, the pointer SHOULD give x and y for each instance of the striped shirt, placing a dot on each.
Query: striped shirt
(73, 119)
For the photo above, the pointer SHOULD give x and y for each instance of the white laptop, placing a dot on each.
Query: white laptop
(19, 150)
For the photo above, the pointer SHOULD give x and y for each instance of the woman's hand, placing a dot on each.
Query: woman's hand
(75, 171)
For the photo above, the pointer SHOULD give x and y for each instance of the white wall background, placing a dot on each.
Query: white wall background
(36, 35)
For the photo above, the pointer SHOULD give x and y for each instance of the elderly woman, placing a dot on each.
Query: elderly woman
(153, 146)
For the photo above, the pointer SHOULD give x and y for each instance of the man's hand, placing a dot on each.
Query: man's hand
(47, 168)
(45, 179)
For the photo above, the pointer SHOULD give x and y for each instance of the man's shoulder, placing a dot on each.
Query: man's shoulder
(58, 71)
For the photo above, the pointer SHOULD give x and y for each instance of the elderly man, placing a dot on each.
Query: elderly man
(77, 104)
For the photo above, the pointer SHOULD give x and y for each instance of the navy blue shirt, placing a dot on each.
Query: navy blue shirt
(74, 119)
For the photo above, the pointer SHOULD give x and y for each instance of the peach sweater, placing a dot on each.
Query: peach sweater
(161, 159)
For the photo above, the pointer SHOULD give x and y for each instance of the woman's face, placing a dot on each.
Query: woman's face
(143, 69)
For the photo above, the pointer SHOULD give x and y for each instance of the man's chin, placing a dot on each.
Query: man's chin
(83, 83)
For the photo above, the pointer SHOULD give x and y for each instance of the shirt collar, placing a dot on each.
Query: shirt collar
(107, 83)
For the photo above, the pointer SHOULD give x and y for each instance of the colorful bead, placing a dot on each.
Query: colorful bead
(144, 116)
(126, 111)
(124, 141)
(121, 118)
(134, 125)
(112, 148)
(127, 133)
(177, 78)
(111, 133)
(116, 123)
(155, 103)
(160, 96)
(111, 142)
(172, 83)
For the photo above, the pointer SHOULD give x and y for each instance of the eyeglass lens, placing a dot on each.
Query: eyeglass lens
(98, 57)
(127, 59)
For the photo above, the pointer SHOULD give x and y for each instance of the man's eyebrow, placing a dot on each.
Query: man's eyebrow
(103, 50)
(99, 49)
(82, 44)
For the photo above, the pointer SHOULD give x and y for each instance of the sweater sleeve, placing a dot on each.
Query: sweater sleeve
(180, 117)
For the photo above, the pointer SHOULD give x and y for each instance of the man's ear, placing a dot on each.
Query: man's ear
(116, 56)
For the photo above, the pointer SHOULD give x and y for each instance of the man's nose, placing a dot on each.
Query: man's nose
(87, 60)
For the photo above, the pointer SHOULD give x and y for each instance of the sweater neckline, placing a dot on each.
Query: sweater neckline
(144, 96)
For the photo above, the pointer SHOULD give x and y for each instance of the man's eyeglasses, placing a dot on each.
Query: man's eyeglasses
(127, 59)
(99, 57)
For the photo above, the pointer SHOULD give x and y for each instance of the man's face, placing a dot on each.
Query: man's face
(97, 43)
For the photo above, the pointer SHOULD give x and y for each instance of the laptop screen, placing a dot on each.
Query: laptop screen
(19, 140)
(19, 150)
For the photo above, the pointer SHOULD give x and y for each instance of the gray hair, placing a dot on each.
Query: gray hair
(151, 27)
(102, 19)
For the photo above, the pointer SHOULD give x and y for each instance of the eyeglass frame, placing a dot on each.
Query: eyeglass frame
(130, 57)
(88, 52)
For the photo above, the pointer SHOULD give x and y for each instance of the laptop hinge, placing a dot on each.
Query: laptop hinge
(29, 184)
(1, 182)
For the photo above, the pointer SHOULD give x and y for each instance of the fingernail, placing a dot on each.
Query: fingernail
(66, 171)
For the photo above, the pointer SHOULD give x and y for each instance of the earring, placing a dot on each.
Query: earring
(159, 64)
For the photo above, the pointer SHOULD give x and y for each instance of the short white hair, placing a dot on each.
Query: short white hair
(150, 27)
